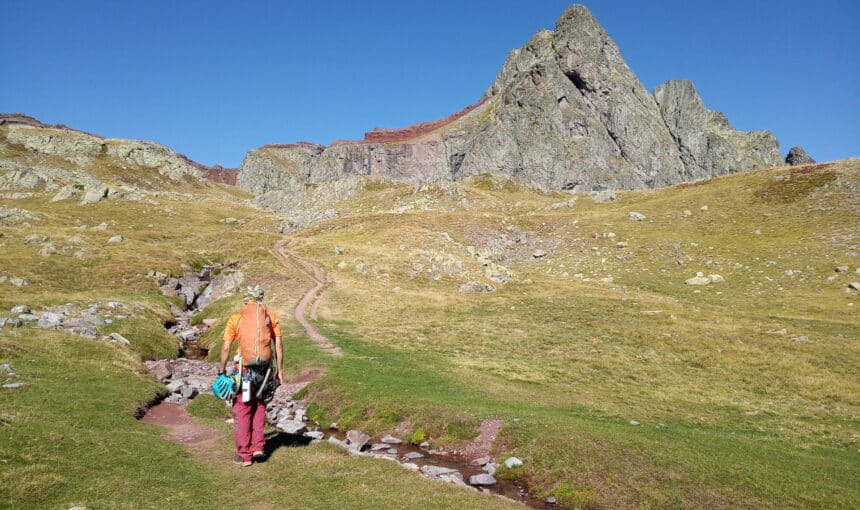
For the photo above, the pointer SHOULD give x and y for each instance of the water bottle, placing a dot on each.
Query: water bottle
(246, 391)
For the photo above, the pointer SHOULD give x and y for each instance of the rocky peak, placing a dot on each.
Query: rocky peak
(797, 156)
(564, 112)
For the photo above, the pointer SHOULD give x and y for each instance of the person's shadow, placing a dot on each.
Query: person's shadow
(277, 439)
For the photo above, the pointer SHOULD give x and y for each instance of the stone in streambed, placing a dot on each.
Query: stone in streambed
(292, 427)
(482, 479)
(391, 440)
(356, 439)
(413, 455)
(187, 391)
(481, 461)
(435, 471)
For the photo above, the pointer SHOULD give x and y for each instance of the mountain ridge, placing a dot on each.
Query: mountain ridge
(565, 112)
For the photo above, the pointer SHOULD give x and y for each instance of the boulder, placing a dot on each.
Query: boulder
(539, 254)
(481, 461)
(188, 391)
(95, 194)
(512, 462)
(115, 239)
(292, 426)
(470, 287)
(35, 239)
(49, 320)
(600, 197)
(482, 479)
(435, 471)
(315, 434)
(698, 280)
(797, 156)
(116, 337)
(12, 322)
(65, 193)
(224, 284)
(357, 440)
(635, 216)
(19, 309)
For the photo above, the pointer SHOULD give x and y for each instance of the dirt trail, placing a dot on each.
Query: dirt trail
(283, 253)
(180, 427)
(202, 441)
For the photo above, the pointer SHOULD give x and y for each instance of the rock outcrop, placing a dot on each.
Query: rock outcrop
(797, 156)
(565, 112)
(708, 145)
(34, 155)
(80, 148)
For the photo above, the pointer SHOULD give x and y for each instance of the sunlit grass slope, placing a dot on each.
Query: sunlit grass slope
(618, 384)
(742, 389)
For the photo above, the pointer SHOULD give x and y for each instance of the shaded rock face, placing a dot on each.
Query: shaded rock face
(565, 112)
(797, 156)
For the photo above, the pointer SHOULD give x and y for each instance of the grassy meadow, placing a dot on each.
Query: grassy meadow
(619, 385)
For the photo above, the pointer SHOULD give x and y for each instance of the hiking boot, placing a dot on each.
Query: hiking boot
(258, 455)
(240, 461)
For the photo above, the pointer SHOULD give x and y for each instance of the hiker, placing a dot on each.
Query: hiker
(255, 327)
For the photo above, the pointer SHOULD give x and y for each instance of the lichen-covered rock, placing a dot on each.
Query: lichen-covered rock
(797, 156)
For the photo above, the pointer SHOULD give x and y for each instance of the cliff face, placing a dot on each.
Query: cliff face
(565, 112)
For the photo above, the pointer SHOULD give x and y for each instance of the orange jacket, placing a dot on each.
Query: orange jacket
(254, 326)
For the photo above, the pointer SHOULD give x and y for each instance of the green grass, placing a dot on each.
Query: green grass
(731, 414)
(74, 441)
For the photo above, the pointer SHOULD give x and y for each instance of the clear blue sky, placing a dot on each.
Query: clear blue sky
(213, 79)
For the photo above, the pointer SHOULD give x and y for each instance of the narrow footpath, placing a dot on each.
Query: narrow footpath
(284, 251)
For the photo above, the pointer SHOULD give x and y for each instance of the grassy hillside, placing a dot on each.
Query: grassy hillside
(744, 391)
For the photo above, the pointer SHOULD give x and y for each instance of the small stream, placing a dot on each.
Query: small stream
(190, 375)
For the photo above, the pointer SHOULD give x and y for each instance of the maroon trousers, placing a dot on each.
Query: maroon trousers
(249, 425)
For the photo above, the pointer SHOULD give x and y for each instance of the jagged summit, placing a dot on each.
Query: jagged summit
(565, 112)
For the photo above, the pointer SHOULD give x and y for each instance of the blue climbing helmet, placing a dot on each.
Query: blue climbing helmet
(224, 387)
